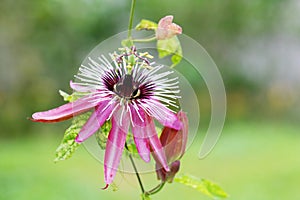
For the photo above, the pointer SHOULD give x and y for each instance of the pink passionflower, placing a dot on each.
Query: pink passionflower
(128, 99)
(166, 29)
(174, 143)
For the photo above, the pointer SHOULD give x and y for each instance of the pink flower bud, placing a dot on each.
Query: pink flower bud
(174, 143)
(166, 29)
(164, 176)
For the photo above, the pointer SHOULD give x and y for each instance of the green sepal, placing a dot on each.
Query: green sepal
(169, 47)
(202, 185)
(68, 145)
(127, 43)
(146, 25)
(177, 57)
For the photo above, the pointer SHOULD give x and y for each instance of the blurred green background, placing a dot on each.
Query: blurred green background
(255, 44)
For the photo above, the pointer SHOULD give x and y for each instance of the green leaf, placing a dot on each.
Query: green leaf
(146, 25)
(177, 57)
(168, 47)
(68, 145)
(102, 134)
(204, 186)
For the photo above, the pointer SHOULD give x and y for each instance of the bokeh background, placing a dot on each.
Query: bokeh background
(255, 44)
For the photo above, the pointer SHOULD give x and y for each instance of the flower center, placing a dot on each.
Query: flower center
(125, 88)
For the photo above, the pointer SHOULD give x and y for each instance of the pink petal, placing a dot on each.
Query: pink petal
(165, 21)
(171, 122)
(185, 129)
(139, 128)
(175, 29)
(168, 118)
(96, 120)
(115, 145)
(158, 150)
(65, 111)
(78, 87)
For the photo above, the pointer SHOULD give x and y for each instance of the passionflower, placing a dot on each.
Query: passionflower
(127, 96)
(174, 143)
(166, 28)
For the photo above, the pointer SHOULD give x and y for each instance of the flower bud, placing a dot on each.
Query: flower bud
(166, 29)
(174, 143)
(165, 176)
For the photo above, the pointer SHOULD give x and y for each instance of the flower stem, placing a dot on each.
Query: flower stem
(145, 40)
(156, 189)
(135, 170)
(133, 2)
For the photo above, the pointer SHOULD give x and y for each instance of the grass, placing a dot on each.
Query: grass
(251, 161)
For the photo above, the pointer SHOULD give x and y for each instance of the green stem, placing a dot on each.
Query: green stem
(145, 40)
(133, 2)
(156, 189)
(135, 170)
